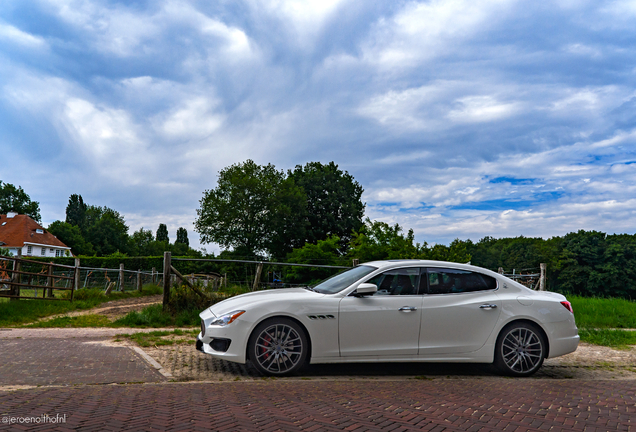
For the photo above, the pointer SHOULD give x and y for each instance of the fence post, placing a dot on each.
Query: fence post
(167, 258)
(16, 277)
(257, 278)
(542, 277)
(501, 270)
(121, 277)
(154, 275)
(355, 262)
(139, 280)
(77, 278)
(49, 281)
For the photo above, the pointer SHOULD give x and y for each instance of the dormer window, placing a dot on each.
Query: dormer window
(39, 231)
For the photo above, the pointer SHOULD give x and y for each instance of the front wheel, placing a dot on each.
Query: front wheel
(520, 350)
(278, 347)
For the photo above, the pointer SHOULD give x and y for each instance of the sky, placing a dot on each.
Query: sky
(460, 118)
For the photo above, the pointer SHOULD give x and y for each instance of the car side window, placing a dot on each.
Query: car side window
(403, 281)
(449, 281)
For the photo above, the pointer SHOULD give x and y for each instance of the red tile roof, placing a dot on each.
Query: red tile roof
(21, 229)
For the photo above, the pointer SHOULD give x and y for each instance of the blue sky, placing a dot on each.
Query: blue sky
(461, 119)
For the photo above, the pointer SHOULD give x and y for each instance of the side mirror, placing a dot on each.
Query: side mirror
(365, 289)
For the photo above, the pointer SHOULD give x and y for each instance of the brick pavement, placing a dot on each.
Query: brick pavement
(60, 361)
(470, 404)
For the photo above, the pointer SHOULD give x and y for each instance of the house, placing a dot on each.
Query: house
(20, 232)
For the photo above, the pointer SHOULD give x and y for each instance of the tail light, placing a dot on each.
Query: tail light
(568, 306)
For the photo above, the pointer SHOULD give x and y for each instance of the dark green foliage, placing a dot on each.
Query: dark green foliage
(71, 236)
(16, 199)
(325, 252)
(182, 236)
(76, 211)
(377, 240)
(249, 207)
(162, 233)
(334, 206)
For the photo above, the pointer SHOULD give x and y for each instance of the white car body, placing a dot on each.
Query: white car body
(342, 328)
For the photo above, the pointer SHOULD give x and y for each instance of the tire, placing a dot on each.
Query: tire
(520, 350)
(278, 347)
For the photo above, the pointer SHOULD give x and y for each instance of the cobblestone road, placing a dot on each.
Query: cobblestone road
(325, 405)
(57, 366)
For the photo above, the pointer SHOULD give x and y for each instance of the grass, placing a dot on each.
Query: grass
(603, 313)
(158, 338)
(154, 316)
(74, 322)
(14, 313)
(618, 339)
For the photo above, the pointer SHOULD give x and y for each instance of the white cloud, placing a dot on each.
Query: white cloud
(196, 118)
(477, 109)
(11, 34)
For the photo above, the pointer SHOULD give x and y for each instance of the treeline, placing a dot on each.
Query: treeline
(91, 230)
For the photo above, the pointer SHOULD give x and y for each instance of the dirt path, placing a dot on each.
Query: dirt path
(114, 309)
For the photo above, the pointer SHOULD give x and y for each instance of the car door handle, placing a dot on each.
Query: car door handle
(407, 309)
(488, 306)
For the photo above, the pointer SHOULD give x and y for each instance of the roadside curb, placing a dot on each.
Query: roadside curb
(152, 362)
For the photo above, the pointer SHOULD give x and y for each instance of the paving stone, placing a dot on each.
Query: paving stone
(71, 361)
(319, 405)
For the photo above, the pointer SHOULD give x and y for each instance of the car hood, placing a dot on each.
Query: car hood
(244, 301)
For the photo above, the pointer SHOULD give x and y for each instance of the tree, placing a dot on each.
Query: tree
(72, 237)
(182, 236)
(162, 233)
(324, 252)
(106, 230)
(378, 240)
(16, 199)
(76, 211)
(334, 206)
(249, 207)
(142, 242)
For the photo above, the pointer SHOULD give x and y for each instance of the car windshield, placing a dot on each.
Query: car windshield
(340, 281)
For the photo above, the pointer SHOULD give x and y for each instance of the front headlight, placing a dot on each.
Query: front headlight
(226, 319)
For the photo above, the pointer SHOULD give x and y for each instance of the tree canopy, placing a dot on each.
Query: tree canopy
(334, 206)
(15, 199)
(257, 209)
(250, 206)
(162, 233)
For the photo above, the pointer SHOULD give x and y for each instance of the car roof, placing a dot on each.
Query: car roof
(387, 264)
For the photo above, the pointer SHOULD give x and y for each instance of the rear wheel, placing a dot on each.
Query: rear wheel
(278, 347)
(520, 350)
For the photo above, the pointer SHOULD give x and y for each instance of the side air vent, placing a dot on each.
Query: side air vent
(320, 317)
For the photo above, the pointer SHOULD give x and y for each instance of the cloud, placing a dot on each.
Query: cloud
(459, 118)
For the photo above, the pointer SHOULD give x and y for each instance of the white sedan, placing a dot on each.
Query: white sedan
(393, 311)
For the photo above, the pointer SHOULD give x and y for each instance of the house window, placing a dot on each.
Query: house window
(57, 253)
(29, 250)
(43, 252)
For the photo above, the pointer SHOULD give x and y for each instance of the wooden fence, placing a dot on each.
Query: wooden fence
(22, 279)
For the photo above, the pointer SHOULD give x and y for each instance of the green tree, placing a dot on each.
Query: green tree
(106, 230)
(16, 199)
(378, 240)
(334, 206)
(182, 236)
(245, 210)
(324, 252)
(457, 251)
(162, 233)
(76, 211)
(142, 242)
(72, 237)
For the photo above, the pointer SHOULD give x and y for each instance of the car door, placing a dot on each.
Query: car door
(459, 311)
(386, 323)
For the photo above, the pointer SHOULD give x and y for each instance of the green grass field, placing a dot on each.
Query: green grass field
(15, 313)
(603, 313)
